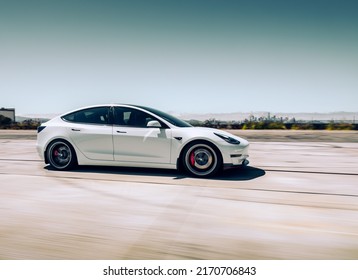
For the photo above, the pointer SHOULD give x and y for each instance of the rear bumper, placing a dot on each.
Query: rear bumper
(40, 151)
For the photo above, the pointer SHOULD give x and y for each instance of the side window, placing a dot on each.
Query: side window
(98, 115)
(131, 117)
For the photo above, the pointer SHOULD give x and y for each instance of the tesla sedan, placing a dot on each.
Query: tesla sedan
(136, 136)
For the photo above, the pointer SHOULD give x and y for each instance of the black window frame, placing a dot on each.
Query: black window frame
(108, 122)
(169, 118)
(163, 125)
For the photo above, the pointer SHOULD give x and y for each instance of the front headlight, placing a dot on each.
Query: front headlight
(228, 139)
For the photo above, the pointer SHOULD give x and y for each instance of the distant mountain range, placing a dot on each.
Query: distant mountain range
(238, 116)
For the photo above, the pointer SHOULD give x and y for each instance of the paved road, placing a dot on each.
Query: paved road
(298, 200)
(345, 136)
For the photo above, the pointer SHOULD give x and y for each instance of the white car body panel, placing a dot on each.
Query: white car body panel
(190, 134)
(114, 145)
(147, 145)
(94, 141)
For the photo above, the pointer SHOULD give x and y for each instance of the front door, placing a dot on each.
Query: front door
(133, 141)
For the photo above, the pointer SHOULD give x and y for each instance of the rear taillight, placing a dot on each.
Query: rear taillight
(40, 128)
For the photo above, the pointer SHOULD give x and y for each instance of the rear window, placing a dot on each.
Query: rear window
(97, 115)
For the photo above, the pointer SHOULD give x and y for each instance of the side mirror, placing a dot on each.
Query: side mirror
(154, 124)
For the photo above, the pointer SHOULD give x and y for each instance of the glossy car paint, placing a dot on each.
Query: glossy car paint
(123, 145)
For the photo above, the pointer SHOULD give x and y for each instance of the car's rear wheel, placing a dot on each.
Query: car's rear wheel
(61, 155)
(201, 159)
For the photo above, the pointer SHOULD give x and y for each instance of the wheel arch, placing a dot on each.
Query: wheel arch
(59, 139)
(193, 142)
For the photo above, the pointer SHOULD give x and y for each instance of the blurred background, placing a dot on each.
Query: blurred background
(207, 61)
(197, 56)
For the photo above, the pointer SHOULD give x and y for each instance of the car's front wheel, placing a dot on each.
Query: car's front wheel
(61, 155)
(201, 159)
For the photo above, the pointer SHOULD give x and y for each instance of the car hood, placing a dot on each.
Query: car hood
(210, 134)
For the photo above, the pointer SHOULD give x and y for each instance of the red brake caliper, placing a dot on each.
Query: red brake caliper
(55, 153)
(192, 159)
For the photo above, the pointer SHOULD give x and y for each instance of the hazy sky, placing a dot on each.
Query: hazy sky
(187, 56)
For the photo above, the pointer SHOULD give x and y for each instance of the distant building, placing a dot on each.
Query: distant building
(8, 112)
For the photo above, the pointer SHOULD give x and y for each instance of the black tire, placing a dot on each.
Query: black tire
(201, 159)
(61, 155)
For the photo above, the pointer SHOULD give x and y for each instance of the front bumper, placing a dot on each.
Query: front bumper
(235, 155)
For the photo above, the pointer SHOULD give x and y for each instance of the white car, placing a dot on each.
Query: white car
(136, 136)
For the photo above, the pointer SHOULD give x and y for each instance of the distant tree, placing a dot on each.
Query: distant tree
(195, 123)
(339, 126)
(210, 123)
(276, 125)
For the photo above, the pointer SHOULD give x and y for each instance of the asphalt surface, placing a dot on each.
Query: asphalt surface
(296, 200)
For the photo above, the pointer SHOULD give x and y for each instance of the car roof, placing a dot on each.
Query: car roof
(102, 105)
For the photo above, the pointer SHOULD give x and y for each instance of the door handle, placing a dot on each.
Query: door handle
(118, 131)
(75, 129)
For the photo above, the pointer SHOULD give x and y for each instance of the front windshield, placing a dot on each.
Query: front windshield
(169, 118)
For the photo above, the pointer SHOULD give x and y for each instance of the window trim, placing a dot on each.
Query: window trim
(164, 125)
(109, 121)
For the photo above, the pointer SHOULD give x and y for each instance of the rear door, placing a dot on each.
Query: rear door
(91, 132)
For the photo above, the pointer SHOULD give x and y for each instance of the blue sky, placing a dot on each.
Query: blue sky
(196, 56)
